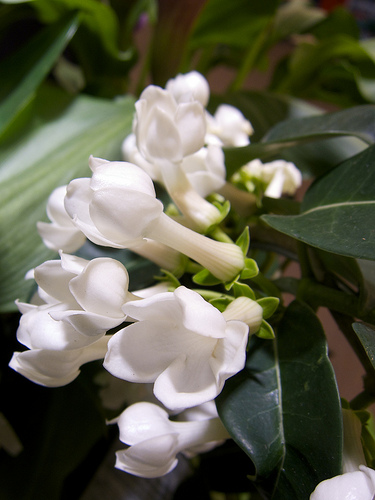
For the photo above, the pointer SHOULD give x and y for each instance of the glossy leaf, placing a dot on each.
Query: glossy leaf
(338, 210)
(283, 409)
(23, 72)
(50, 153)
(366, 334)
(358, 121)
(311, 151)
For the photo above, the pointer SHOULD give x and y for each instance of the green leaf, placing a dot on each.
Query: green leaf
(24, 71)
(283, 409)
(366, 334)
(337, 210)
(234, 23)
(358, 121)
(265, 111)
(50, 153)
(243, 241)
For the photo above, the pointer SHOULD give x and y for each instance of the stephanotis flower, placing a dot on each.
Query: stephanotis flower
(189, 87)
(154, 440)
(228, 127)
(117, 207)
(166, 132)
(80, 301)
(279, 177)
(358, 485)
(60, 233)
(53, 368)
(357, 481)
(181, 343)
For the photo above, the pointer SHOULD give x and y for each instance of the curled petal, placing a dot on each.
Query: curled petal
(191, 124)
(152, 458)
(358, 485)
(56, 368)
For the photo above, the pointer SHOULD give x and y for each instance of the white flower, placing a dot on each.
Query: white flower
(187, 182)
(53, 368)
(166, 130)
(228, 127)
(280, 176)
(181, 343)
(358, 485)
(154, 440)
(189, 87)
(117, 207)
(205, 170)
(60, 233)
(357, 481)
(82, 300)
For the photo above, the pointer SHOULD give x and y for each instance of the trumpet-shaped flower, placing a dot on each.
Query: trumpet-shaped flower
(60, 233)
(189, 87)
(181, 343)
(228, 127)
(154, 440)
(279, 176)
(117, 207)
(358, 485)
(357, 481)
(53, 368)
(82, 300)
(166, 130)
(205, 169)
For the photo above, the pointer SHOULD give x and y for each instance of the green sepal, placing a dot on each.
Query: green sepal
(205, 278)
(250, 270)
(243, 290)
(269, 305)
(243, 241)
(265, 331)
(220, 303)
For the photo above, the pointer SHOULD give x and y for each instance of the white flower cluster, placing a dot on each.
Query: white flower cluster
(173, 339)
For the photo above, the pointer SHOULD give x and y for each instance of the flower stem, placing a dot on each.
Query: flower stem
(223, 260)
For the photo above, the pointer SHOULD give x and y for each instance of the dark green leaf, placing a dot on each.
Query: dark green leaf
(23, 72)
(265, 111)
(338, 210)
(49, 154)
(283, 409)
(366, 334)
(358, 121)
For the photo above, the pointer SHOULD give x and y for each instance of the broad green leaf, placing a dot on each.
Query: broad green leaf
(296, 17)
(234, 23)
(366, 334)
(23, 72)
(338, 210)
(265, 111)
(283, 409)
(358, 121)
(50, 153)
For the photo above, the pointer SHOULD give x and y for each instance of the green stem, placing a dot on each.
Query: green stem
(317, 295)
(251, 58)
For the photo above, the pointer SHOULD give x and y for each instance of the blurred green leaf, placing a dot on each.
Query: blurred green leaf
(24, 71)
(283, 409)
(232, 23)
(338, 211)
(50, 153)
